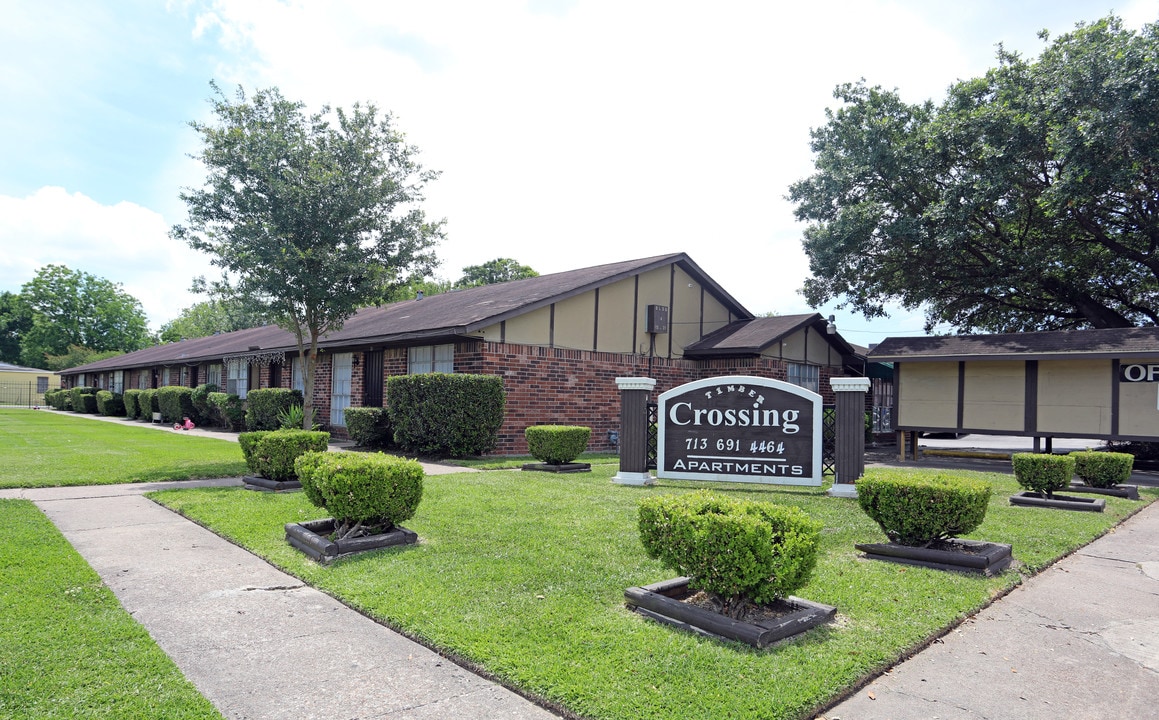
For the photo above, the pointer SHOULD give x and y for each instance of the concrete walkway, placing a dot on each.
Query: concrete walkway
(259, 644)
(1079, 640)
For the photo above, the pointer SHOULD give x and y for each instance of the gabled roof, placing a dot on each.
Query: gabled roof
(1054, 345)
(752, 337)
(442, 316)
(8, 367)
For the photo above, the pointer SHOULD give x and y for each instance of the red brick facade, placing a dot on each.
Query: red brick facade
(544, 385)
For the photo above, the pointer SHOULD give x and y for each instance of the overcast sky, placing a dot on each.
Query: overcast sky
(568, 133)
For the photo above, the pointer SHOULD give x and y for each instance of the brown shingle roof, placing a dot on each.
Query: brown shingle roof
(751, 337)
(1109, 343)
(438, 316)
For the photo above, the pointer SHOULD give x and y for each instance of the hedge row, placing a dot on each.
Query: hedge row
(446, 414)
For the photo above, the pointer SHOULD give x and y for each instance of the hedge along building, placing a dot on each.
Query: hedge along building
(559, 341)
(1100, 384)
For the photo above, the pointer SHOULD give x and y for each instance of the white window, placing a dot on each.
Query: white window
(341, 373)
(164, 377)
(806, 376)
(431, 358)
(237, 378)
(296, 378)
(213, 374)
(142, 379)
(119, 381)
(42, 385)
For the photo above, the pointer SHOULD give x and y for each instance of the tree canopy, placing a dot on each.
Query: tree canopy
(15, 321)
(70, 308)
(1027, 200)
(209, 317)
(494, 271)
(309, 216)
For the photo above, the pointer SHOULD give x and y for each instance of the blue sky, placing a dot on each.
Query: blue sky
(568, 133)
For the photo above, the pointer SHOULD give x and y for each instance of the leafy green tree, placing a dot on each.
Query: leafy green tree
(494, 271)
(1028, 199)
(77, 356)
(15, 321)
(70, 307)
(309, 216)
(208, 317)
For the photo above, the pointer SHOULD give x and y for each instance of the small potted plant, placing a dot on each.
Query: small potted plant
(739, 563)
(270, 456)
(556, 447)
(367, 495)
(1041, 475)
(1104, 473)
(923, 515)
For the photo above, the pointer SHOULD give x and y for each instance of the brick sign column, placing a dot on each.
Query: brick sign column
(850, 463)
(634, 394)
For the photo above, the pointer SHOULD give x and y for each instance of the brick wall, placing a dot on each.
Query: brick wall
(578, 387)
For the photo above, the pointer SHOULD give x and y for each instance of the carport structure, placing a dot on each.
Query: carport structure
(1101, 384)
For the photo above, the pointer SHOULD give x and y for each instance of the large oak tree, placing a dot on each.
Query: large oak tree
(310, 216)
(1028, 199)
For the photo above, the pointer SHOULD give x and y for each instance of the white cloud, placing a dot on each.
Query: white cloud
(124, 243)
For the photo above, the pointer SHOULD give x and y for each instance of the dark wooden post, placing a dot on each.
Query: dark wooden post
(634, 394)
(850, 458)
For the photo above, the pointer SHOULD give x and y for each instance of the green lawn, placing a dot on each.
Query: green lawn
(44, 449)
(522, 574)
(68, 649)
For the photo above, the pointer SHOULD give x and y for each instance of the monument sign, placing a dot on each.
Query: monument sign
(740, 429)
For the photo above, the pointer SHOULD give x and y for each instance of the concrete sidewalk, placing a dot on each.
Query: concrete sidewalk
(1079, 640)
(258, 643)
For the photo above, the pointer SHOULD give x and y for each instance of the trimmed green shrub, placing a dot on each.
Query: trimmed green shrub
(175, 403)
(228, 410)
(737, 551)
(1043, 473)
(147, 401)
(110, 404)
(84, 400)
(369, 427)
(264, 405)
(200, 398)
(271, 453)
(557, 444)
(59, 399)
(360, 489)
(917, 509)
(132, 408)
(1103, 469)
(446, 414)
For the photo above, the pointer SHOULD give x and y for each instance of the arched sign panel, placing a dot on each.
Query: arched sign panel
(740, 429)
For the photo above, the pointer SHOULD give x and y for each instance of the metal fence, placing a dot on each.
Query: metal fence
(653, 435)
(21, 394)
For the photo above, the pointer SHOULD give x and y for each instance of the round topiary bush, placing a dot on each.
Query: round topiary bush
(365, 493)
(1043, 473)
(737, 551)
(271, 453)
(1103, 469)
(918, 509)
(557, 444)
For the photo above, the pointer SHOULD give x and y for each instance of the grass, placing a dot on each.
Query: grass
(522, 575)
(514, 462)
(70, 650)
(43, 449)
